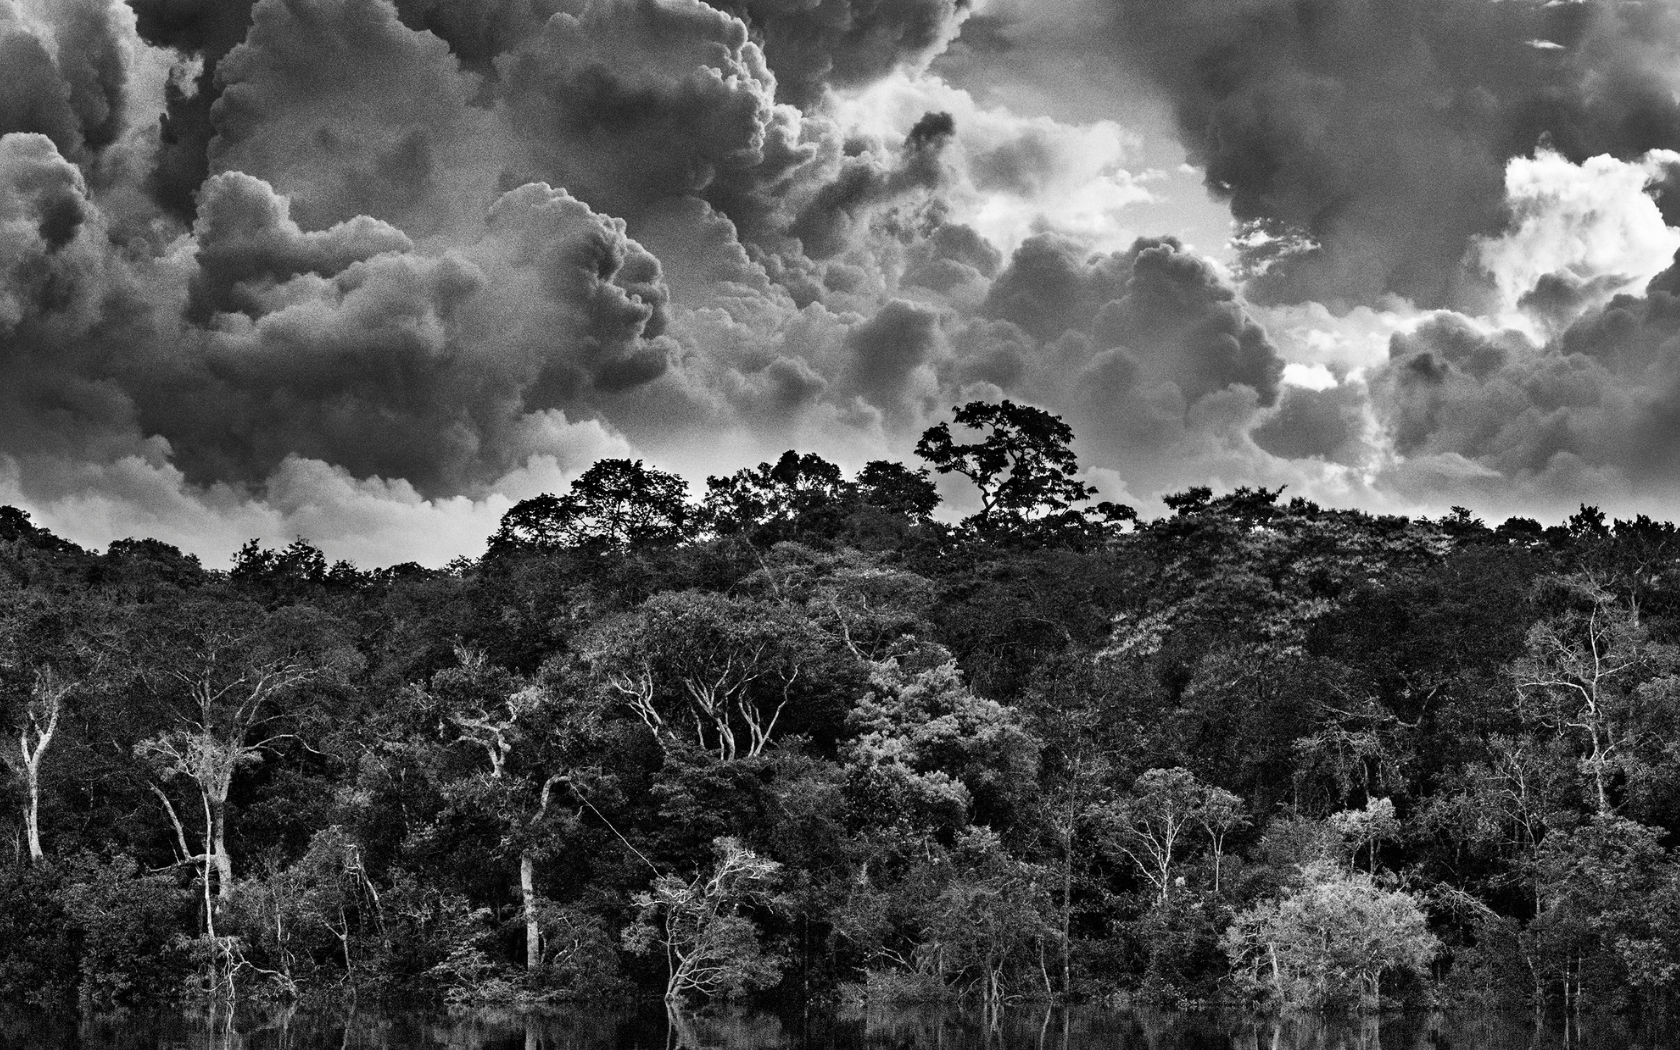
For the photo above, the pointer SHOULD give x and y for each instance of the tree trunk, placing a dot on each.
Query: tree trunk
(218, 848)
(1598, 761)
(528, 894)
(32, 815)
(1067, 915)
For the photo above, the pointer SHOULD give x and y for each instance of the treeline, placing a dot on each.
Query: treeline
(800, 739)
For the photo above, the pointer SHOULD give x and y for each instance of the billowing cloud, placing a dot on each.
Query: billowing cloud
(845, 43)
(1373, 135)
(1593, 413)
(370, 270)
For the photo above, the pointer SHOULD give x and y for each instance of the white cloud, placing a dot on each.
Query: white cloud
(1591, 224)
(1017, 175)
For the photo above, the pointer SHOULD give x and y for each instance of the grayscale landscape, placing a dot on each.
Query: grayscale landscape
(846, 523)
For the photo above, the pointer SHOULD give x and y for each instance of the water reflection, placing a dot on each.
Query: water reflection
(855, 1029)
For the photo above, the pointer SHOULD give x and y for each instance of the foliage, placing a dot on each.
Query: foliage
(616, 503)
(704, 925)
(1023, 467)
(803, 736)
(1331, 941)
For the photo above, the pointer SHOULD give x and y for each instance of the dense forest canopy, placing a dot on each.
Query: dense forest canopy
(800, 738)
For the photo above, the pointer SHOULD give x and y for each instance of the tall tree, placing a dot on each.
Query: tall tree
(536, 743)
(37, 725)
(49, 649)
(718, 670)
(229, 677)
(1581, 675)
(1023, 467)
(616, 503)
(1150, 824)
(766, 502)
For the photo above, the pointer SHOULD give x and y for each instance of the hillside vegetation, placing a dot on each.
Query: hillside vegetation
(799, 739)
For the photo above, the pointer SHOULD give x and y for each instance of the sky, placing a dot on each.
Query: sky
(371, 271)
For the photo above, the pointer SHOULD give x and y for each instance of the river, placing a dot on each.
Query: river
(1079, 1028)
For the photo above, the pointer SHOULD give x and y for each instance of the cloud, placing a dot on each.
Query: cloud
(1327, 423)
(845, 43)
(1381, 130)
(348, 112)
(367, 269)
(1011, 176)
(1577, 232)
(206, 30)
(1164, 307)
(1590, 414)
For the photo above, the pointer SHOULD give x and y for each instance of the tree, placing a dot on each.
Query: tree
(1581, 673)
(1221, 814)
(768, 500)
(719, 668)
(534, 742)
(895, 488)
(1149, 825)
(35, 731)
(992, 916)
(1607, 896)
(1084, 775)
(1024, 467)
(1365, 828)
(704, 925)
(928, 752)
(614, 505)
(49, 650)
(225, 673)
(1330, 941)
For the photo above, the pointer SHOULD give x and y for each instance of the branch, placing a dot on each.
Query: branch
(180, 832)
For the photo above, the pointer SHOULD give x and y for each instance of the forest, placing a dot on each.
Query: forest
(807, 739)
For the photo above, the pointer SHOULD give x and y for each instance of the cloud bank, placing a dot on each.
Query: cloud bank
(371, 270)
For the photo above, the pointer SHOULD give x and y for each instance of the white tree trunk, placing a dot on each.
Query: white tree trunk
(32, 815)
(528, 893)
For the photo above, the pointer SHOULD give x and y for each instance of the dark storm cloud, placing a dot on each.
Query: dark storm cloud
(208, 30)
(392, 363)
(953, 254)
(1148, 353)
(1050, 286)
(67, 84)
(887, 350)
(1318, 424)
(1379, 129)
(348, 112)
(826, 224)
(1162, 306)
(811, 44)
(345, 345)
(248, 244)
(634, 102)
(479, 30)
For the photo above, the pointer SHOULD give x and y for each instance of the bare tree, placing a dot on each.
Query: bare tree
(224, 687)
(1580, 674)
(1149, 826)
(219, 734)
(36, 726)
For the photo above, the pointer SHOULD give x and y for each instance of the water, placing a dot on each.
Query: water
(846, 1029)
